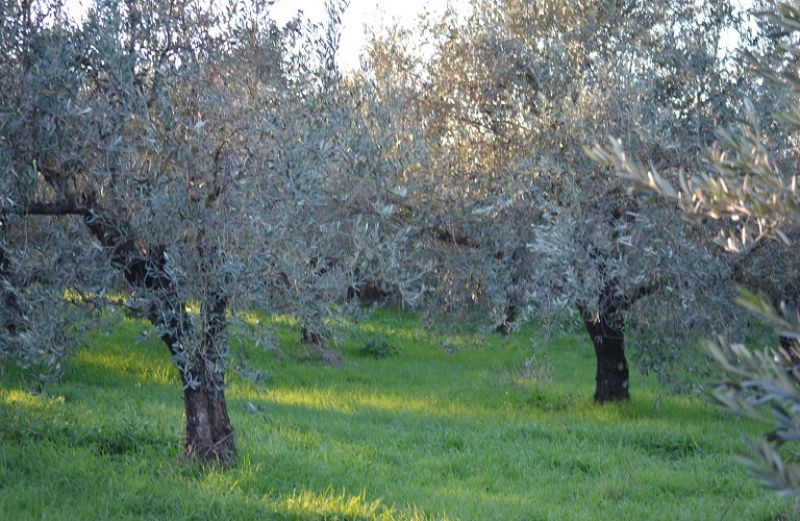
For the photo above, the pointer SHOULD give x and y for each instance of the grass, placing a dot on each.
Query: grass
(461, 429)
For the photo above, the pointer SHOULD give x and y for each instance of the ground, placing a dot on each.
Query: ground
(444, 428)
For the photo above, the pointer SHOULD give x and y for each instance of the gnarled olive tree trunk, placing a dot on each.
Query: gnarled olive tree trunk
(209, 434)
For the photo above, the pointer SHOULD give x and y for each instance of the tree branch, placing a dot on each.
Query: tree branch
(56, 208)
(641, 292)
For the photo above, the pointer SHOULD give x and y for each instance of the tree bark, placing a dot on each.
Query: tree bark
(511, 312)
(608, 338)
(209, 434)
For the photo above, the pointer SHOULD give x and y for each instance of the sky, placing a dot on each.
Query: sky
(358, 14)
(375, 13)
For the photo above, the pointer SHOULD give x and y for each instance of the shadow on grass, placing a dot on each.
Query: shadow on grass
(118, 433)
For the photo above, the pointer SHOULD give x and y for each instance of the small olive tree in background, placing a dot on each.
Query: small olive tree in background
(747, 195)
(207, 155)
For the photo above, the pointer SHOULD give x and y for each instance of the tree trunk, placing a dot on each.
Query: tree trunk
(511, 312)
(309, 337)
(787, 302)
(316, 342)
(608, 337)
(368, 293)
(209, 434)
(508, 325)
(791, 346)
(12, 311)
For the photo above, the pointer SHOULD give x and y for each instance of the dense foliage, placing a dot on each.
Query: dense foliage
(521, 221)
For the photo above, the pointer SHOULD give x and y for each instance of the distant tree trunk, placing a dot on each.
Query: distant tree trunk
(370, 292)
(12, 312)
(511, 312)
(316, 342)
(779, 296)
(507, 326)
(608, 338)
(309, 337)
(787, 302)
(791, 346)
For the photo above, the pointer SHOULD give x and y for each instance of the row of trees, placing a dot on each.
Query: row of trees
(190, 152)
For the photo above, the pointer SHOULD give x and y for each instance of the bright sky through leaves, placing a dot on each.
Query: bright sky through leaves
(359, 13)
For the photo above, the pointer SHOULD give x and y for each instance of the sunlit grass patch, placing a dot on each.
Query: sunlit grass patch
(329, 505)
(21, 397)
(283, 320)
(250, 317)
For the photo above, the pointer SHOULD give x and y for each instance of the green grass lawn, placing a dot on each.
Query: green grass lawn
(462, 432)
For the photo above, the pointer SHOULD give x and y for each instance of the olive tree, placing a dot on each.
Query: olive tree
(526, 221)
(655, 77)
(745, 195)
(202, 147)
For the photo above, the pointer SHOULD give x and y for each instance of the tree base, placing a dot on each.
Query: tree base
(506, 328)
(612, 392)
(509, 324)
(608, 337)
(209, 434)
(612, 384)
(319, 352)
